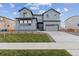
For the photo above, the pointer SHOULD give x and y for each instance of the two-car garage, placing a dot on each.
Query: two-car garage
(51, 27)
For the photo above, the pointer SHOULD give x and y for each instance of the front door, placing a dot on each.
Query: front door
(40, 26)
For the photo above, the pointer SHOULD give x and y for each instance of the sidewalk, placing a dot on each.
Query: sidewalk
(39, 46)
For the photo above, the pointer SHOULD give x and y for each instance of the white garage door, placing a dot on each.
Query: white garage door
(51, 28)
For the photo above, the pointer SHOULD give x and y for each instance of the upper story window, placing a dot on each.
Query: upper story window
(55, 15)
(24, 14)
(47, 15)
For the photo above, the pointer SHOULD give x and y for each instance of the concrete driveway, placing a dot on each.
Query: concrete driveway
(67, 41)
(62, 37)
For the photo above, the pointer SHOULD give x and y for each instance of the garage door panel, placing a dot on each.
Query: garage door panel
(51, 28)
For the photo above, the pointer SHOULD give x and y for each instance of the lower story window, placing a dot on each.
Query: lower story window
(25, 21)
(21, 21)
(29, 21)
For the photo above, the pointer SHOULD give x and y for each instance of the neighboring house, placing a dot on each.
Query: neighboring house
(72, 22)
(48, 21)
(6, 23)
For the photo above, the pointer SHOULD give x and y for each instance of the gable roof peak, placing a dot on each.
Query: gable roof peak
(24, 8)
(51, 9)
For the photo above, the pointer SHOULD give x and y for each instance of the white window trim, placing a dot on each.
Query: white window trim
(29, 21)
(21, 21)
(25, 22)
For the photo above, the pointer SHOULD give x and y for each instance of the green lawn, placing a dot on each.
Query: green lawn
(60, 52)
(24, 37)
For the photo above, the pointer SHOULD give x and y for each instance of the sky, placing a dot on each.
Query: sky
(66, 9)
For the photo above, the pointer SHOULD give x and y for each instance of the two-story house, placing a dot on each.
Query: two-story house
(48, 21)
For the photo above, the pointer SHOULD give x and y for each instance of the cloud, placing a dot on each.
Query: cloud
(38, 4)
(65, 9)
(58, 9)
(32, 5)
(1, 5)
(12, 5)
(44, 3)
(61, 15)
(41, 11)
(15, 13)
(26, 5)
(34, 8)
(48, 4)
(62, 10)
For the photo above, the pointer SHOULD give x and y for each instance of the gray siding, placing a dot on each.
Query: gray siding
(28, 15)
(52, 15)
(26, 26)
(39, 18)
(72, 22)
(52, 18)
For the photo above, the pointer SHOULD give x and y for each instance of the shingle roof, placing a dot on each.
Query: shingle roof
(51, 9)
(26, 9)
(71, 17)
(38, 14)
(6, 18)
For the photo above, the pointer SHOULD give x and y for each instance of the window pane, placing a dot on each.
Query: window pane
(21, 21)
(25, 21)
(55, 15)
(29, 21)
(24, 14)
(47, 15)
